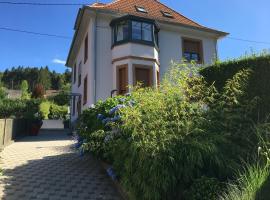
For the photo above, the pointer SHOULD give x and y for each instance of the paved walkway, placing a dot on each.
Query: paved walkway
(47, 167)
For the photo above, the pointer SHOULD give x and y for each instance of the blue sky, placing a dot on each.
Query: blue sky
(241, 18)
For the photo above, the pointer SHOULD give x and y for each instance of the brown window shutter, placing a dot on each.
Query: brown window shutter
(122, 79)
(85, 83)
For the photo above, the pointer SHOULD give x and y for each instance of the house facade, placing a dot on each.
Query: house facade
(128, 41)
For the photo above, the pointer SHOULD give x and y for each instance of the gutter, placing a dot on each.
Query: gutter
(95, 59)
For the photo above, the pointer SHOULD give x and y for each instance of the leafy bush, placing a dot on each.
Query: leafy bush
(58, 112)
(160, 141)
(204, 188)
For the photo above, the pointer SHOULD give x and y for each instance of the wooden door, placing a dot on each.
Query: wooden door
(143, 75)
(122, 80)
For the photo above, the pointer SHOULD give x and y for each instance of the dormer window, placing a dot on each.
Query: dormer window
(166, 14)
(140, 9)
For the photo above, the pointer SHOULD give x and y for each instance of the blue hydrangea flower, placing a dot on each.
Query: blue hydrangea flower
(122, 100)
(116, 118)
(81, 152)
(100, 117)
(128, 95)
(111, 173)
(131, 103)
(105, 121)
(116, 108)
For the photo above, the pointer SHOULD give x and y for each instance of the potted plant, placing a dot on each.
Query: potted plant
(35, 124)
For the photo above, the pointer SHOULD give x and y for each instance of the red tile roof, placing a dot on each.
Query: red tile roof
(153, 8)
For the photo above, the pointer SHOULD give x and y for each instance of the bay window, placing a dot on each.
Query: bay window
(134, 29)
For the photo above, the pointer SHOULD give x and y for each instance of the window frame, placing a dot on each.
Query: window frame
(200, 42)
(118, 75)
(86, 48)
(80, 74)
(75, 73)
(85, 90)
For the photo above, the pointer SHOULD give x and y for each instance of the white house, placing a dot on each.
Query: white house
(126, 41)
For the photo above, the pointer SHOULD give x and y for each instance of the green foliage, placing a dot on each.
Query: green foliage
(204, 188)
(44, 109)
(92, 129)
(3, 93)
(24, 90)
(33, 75)
(168, 137)
(58, 112)
(257, 86)
(248, 184)
(63, 98)
(19, 108)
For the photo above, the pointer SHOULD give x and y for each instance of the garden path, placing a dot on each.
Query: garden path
(47, 167)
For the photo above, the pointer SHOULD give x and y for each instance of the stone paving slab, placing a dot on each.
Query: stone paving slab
(47, 167)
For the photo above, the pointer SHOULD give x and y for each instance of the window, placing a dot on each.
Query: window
(85, 90)
(158, 79)
(122, 79)
(140, 9)
(142, 31)
(143, 75)
(166, 14)
(134, 29)
(192, 50)
(85, 48)
(73, 105)
(74, 73)
(79, 106)
(122, 31)
(80, 74)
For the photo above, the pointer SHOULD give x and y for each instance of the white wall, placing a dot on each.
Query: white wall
(87, 69)
(170, 43)
(104, 79)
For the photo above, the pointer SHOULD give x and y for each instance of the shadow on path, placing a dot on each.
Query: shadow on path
(64, 176)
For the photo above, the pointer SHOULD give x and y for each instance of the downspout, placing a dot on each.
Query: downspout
(95, 59)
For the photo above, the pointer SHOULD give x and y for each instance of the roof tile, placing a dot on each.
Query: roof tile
(153, 8)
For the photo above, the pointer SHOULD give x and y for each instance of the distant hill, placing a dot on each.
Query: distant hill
(12, 79)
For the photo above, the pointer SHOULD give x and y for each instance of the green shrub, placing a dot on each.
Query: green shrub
(204, 188)
(44, 109)
(58, 112)
(168, 137)
(257, 86)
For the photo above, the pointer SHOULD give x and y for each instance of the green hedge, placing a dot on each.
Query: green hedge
(18, 108)
(259, 82)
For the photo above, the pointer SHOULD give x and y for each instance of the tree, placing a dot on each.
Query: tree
(44, 78)
(3, 93)
(24, 89)
(38, 91)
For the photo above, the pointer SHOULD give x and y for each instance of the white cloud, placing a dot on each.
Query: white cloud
(58, 61)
